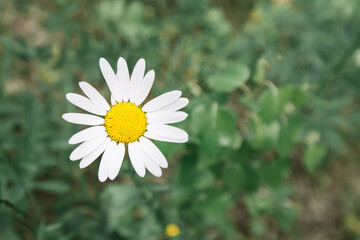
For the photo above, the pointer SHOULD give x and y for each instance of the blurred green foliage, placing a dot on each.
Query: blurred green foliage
(273, 119)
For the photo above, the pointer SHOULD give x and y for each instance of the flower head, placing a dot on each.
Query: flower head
(172, 230)
(125, 123)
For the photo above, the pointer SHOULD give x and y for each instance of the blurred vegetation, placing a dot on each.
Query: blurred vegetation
(273, 119)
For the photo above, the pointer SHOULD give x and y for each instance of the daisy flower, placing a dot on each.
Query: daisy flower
(125, 123)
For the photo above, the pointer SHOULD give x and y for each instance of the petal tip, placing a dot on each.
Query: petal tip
(68, 95)
(102, 177)
(103, 63)
(83, 84)
(164, 164)
(151, 73)
(186, 101)
(81, 165)
(102, 180)
(121, 59)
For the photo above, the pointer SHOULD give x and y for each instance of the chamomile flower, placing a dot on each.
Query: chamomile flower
(125, 123)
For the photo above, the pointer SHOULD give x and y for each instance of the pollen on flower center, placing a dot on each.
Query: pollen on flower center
(125, 122)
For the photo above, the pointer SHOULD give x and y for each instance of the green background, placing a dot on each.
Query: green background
(273, 119)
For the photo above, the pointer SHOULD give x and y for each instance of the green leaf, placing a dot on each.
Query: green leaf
(313, 156)
(274, 172)
(257, 227)
(288, 134)
(191, 180)
(262, 65)
(40, 233)
(240, 175)
(119, 203)
(209, 147)
(272, 102)
(229, 79)
(120, 197)
(214, 206)
(200, 117)
(217, 130)
(269, 105)
(235, 176)
(228, 136)
(56, 187)
(299, 97)
(199, 179)
(263, 136)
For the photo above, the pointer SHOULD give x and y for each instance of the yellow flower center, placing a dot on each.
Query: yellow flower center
(172, 230)
(125, 122)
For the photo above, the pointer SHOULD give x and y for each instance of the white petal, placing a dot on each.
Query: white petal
(113, 101)
(86, 134)
(145, 87)
(83, 118)
(110, 78)
(178, 104)
(166, 117)
(154, 153)
(94, 95)
(158, 137)
(117, 160)
(123, 78)
(85, 103)
(167, 131)
(88, 159)
(153, 168)
(135, 158)
(87, 147)
(105, 162)
(161, 101)
(136, 79)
